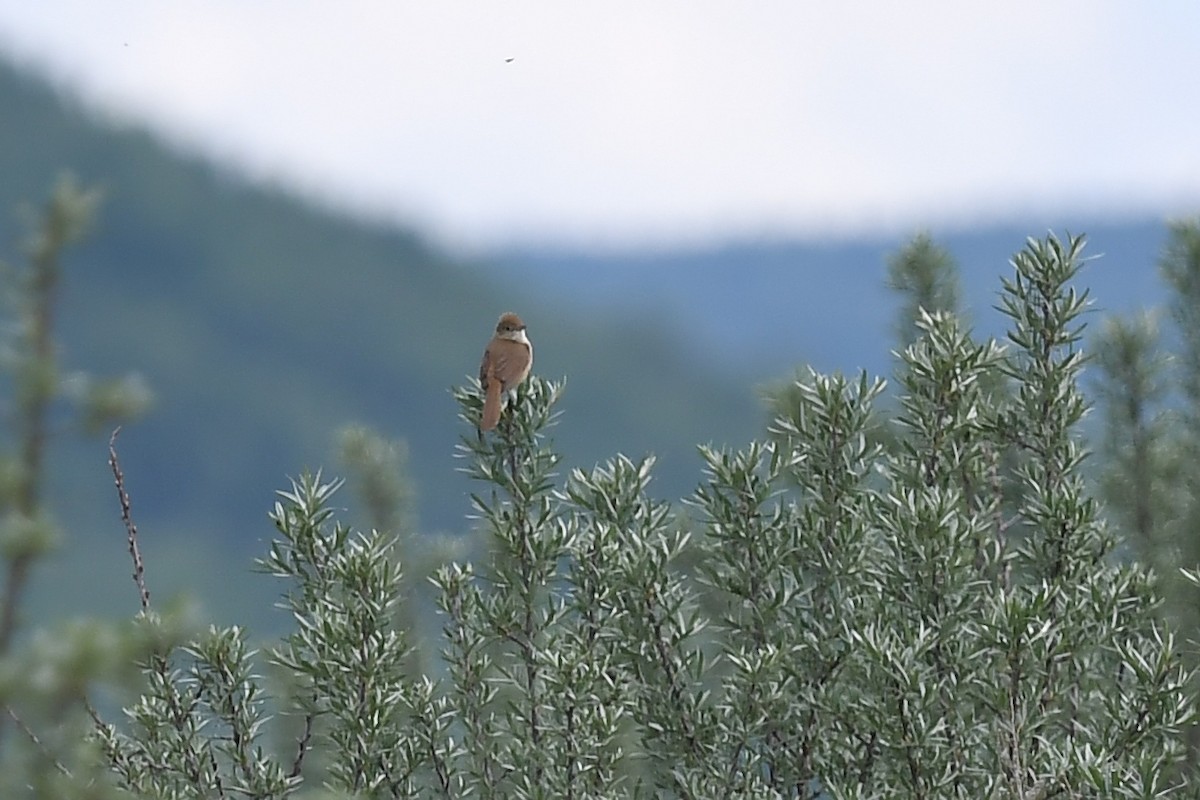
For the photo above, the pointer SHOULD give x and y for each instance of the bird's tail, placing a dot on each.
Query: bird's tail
(491, 406)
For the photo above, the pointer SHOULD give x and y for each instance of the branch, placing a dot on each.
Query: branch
(38, 743)
(302, 746)
(139, 567)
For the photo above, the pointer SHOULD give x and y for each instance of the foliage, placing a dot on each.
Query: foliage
(44, 677)
(1180, 267)
(1133, 393)
(383, 484)
(938, 612)
(1150, 395)
(829, 618)
(926, 276)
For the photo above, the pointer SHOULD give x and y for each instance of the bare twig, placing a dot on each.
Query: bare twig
(37, 742)
(139, 567)
(14, 584)
(302, 746)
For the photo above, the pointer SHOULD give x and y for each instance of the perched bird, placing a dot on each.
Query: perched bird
(506, 363)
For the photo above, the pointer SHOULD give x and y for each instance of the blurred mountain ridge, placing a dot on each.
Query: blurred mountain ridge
(263, 324)
(758, 305)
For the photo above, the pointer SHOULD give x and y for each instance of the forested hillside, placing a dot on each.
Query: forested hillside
(262, 324)
(975, 578)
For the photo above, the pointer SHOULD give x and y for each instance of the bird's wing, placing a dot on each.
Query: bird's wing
(509, 361)
(485, 367)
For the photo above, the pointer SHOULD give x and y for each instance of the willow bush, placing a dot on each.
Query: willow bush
(937, 616)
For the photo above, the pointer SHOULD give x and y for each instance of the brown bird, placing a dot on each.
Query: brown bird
(506, 363)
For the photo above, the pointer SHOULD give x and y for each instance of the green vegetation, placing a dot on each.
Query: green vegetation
(265, 325)
(923, 590)
(942, 612)
(926, 276)
(46, 677)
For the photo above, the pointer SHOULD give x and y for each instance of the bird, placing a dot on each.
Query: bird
(506, 362)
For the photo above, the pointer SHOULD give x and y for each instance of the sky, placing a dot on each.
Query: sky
(634, 122)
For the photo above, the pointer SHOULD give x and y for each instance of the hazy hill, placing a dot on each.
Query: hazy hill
(762, 307)
(263, 323)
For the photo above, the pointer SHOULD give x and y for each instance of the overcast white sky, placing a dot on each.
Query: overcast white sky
(663, 121)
